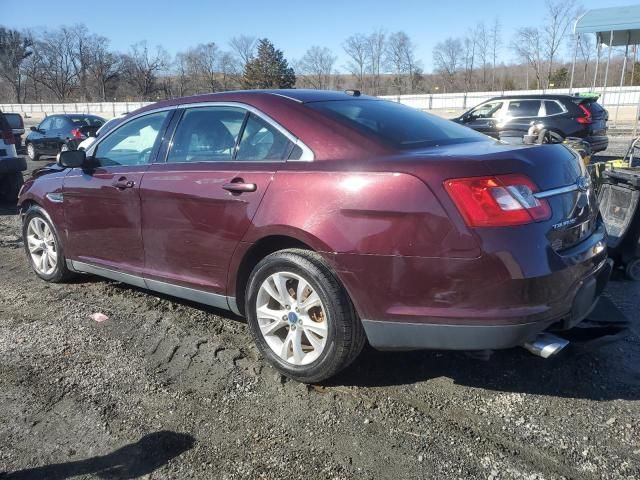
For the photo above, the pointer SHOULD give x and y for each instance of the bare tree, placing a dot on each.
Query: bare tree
(482, 38)
(356, 48)
(375, 55)
(203, 62)
(244, 46)
(15, 48)
(56, 69)
(141, 68)
(229, 71)
(181, 72)
(560, 14)
(469, 46)
(316, 67)
(104, 68)
(528, 46)
(401, 60)
(496, 42)
(448, 57)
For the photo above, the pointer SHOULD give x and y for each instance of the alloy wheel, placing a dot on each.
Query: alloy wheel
(292, 318)
(31, 151)
(42, 246)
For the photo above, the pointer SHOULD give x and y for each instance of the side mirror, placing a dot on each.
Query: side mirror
(72, 158)
(34, 129)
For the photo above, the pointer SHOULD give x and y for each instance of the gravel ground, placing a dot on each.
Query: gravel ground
(168, 389)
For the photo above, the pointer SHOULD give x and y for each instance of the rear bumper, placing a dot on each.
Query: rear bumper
(597, 143)
(387, 335)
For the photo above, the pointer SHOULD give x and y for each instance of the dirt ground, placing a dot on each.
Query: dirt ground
(165, 389)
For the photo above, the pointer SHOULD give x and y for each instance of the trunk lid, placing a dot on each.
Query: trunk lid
(557, 171)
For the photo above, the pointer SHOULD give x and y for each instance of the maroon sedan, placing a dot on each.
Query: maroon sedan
(327, 219)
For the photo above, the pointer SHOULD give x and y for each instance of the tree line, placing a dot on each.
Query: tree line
(72, 64)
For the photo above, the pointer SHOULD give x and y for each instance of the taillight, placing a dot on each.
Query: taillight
(497, 201)
(8, 137)
(77, 133)
(587, 115)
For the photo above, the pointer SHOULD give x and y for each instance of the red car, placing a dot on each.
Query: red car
(327, 219)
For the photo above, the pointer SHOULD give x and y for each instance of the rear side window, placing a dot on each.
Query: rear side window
(523, 108)
(206, 134)
(552, 108)
(395, 124)
(79, 121)
(262, 141)
(14, 119)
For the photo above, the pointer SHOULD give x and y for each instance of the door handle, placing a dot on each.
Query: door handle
(240, 187)
(122, 183)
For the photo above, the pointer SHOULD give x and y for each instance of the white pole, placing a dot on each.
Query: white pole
(606, 71)
(573, 66)
(595, 74)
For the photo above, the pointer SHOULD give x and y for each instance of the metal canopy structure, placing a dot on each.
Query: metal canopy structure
(613, 27)
(624, 22)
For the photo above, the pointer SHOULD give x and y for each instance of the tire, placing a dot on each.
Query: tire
(10, 187)
(343, 337)
(31, 152)
(632, 269)
(59, 272)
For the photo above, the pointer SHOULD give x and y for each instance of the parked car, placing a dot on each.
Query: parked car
(17, 127)
(87, 142)
(562, 115)
(327, 219)
(11, 166)
(51, 136)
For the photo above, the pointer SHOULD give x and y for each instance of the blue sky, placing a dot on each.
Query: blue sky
(292, 25)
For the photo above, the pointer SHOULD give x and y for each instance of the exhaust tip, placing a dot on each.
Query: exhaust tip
(546, 345)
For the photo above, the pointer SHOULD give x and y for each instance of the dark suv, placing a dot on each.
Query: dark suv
(563, 115)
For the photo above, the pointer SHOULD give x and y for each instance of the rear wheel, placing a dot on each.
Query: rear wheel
(633, 269)
(301, 317)
(31, 152)
(43, 246)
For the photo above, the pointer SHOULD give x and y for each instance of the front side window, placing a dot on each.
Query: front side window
(59, 123)
(487, 110)
(46, 124)
(262, 141)
(206, 134)
(395, 124)
(523, 108)
(132, 143)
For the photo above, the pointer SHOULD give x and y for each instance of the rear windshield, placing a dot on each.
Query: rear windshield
(594, 106)
(14, 119)
(83, 121)
(395, 124)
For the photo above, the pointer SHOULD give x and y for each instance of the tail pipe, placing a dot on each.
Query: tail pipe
(546, 345)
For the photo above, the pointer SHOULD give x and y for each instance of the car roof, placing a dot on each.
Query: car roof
(537, 96)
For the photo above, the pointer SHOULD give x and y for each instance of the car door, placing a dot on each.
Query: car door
(519, 115)
(198, 204)
(56, 135)
(102, 204)
(484, 118)
(38, 136)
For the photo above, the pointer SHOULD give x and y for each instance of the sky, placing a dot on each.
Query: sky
(293, 26)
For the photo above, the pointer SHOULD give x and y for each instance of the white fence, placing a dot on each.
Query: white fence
(106, 108)
(612, 97)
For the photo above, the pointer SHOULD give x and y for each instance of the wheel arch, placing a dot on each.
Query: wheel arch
(252, 255)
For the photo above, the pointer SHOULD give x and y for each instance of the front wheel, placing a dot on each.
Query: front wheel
(31, 152)
(633, 269)
(43, 246)
(301, 317)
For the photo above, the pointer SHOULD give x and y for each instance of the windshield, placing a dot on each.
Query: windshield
(401, 126)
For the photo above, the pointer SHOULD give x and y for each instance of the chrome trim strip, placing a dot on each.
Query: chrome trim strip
(199, 296)
(307, 153)
(108, 273)
(556, 191)
(187, 293)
